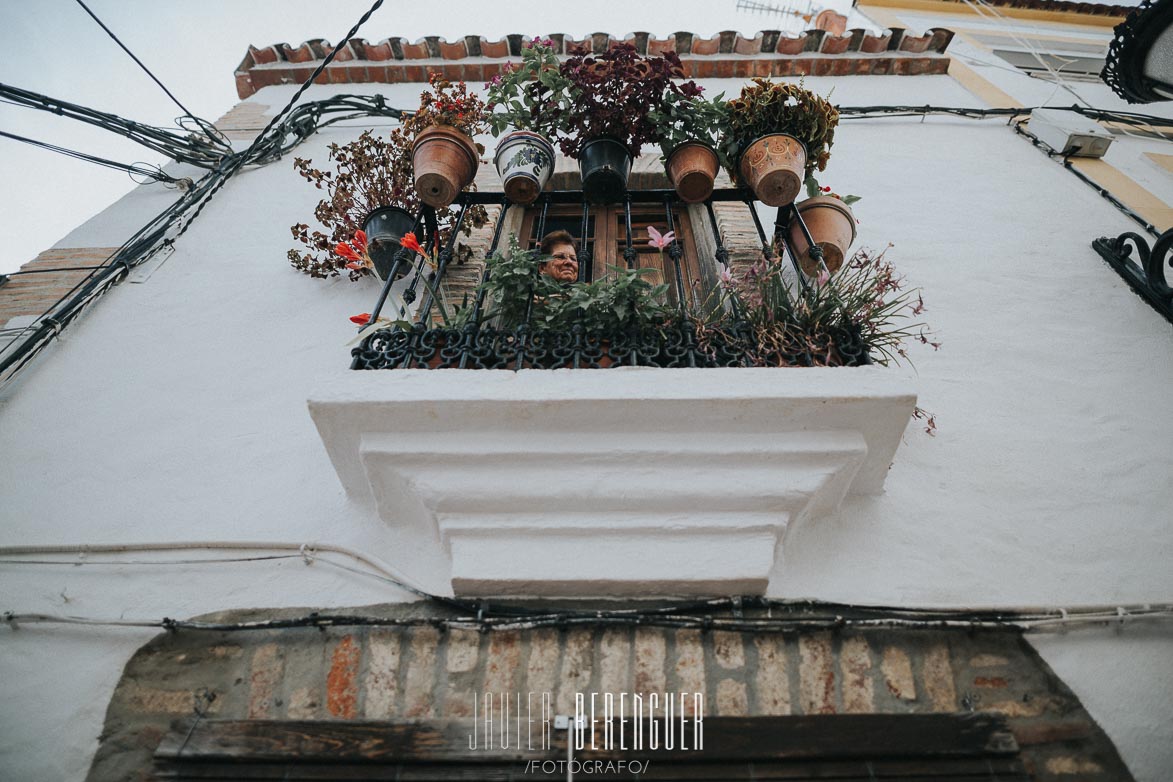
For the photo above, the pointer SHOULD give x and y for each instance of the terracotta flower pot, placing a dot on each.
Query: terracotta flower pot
(774, 167)
(525, 162)
(445, 162)
(832, 226)
(692, 167)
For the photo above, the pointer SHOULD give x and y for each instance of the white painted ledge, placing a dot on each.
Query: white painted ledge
(626, 481)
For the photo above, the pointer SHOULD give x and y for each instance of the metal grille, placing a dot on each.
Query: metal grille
(480, 345)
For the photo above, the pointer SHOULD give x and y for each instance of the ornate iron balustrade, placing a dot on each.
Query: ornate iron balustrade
(479, 345)
(1147, 277)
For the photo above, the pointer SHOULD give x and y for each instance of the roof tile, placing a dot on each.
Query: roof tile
(725, 55)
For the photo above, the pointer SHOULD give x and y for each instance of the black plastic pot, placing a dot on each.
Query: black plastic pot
(605, 165)
(384, 228)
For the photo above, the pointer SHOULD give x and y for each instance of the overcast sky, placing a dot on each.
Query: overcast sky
(193, 46)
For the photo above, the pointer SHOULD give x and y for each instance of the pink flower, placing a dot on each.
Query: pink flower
(726, 278)
(655, 239)
(823, 277)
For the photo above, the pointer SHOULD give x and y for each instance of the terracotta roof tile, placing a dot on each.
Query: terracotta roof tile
(706, 46)
(415, 51)
(661, 45)
(874, 44)
(495, 48)
(725, 55)
(743, 45)
(788, 45)
(835, 44)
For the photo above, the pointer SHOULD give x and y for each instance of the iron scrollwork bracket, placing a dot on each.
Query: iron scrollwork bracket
(1145, 274)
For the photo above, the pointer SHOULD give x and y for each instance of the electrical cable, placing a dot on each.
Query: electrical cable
(54, 270)
(231, 165)
(204, 149)
(1116, 616)
(796, 614)
(1104, 192)
(153, 173)
(110, 33)
(283, 133)
(152, 237)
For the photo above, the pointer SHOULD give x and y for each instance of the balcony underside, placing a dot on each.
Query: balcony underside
(635, 481)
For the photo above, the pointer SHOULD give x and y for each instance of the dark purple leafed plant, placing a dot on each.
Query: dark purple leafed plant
(614, 94)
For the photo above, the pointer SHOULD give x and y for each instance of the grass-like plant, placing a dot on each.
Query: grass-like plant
(863, 308)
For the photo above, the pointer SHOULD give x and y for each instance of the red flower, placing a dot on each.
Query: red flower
(410, 242)
(362, 319)
(360, 240)
(346, 251)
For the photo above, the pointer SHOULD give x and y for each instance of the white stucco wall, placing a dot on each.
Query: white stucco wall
(175, 411)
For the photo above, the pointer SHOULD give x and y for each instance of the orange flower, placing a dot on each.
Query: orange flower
(347, 252)
(410, 242)
(360, 241)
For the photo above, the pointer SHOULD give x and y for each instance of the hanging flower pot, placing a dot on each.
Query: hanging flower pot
(444, 161)
(384, 228)
(692, 167)
(832, 226)
(605, 165)
(774, 167)
(525, 162)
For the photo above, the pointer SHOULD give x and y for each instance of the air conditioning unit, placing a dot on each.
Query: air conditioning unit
(1069, 133)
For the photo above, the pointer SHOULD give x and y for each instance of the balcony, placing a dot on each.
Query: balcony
(511, 459)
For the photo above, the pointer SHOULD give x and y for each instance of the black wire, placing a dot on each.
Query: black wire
(110, 33)
(825, 617)
(205, 150)
(289, 129)
(53, 270)
(154, 173)
(231, 165)
(150, 239)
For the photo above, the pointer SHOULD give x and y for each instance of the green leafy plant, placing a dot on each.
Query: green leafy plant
(766, 107)
(621, 301)
(534, 95)
(813, 188)
(614, 94)
(682, 118)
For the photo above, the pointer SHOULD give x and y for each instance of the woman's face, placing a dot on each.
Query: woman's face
(563, 263)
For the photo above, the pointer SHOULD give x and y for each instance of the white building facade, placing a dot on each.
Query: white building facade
(199, 432)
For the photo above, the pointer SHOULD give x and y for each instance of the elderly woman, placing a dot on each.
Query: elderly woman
(562, 264)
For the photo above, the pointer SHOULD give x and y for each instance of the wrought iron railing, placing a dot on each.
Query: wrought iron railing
(478, 344)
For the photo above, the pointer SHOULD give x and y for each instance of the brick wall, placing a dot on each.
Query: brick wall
(428, 672)
(33, 294)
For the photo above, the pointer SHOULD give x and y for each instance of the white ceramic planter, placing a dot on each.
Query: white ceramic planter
(525, 162)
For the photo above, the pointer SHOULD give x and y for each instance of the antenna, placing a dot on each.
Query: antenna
(786, 9)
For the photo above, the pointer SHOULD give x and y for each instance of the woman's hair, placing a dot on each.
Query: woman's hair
(554, 238)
